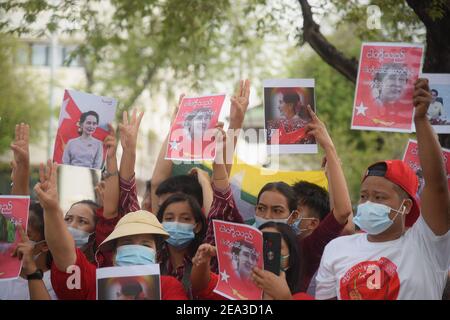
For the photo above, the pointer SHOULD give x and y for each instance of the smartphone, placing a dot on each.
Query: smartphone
(272, 251)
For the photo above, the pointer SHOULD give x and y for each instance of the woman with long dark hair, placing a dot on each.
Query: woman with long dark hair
(185, 222)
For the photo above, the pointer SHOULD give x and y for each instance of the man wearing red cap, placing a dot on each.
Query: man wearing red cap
(388, 261)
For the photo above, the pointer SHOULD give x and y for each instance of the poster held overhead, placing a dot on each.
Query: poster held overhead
(286, 115)
(191, 136)
(439, 109)
(384, 87)
(82, 128)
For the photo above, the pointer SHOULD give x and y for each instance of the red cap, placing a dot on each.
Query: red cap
(403, 176)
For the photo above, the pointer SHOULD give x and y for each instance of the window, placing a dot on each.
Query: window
(23, 54)
(66, 54)
(39, 54)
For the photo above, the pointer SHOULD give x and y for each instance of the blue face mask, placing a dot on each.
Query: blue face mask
(133, 255)
(373, 218)
(181, 234)
(81, 237)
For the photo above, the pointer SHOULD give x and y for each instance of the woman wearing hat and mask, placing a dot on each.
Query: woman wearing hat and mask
(134, 241)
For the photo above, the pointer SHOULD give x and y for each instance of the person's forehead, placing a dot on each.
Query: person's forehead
(81, 210)
(272, 198)
(377, 184)
(181, 207)
(91, 118)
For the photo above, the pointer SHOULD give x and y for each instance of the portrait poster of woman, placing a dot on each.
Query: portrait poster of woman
(192, 132)
(286, 115)
(439, 110)
(384, 87)
(239, 250)
(82, 128)
(129, 283)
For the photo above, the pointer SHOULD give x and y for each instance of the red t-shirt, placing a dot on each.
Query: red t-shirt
(209, 294)
(171, 288)
(313, 245)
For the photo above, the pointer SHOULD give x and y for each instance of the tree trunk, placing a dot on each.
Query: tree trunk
(329, 53)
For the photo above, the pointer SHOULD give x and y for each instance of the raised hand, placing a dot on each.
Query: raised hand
(220, 138)
(47, 188)
(111, 142)
(20, 146)
(421, 98)
(202, 176)
(24, 251)
(204, 254)
(274, 286)
(239, 104)
(100, 191)
(317, 129)
(129, 129)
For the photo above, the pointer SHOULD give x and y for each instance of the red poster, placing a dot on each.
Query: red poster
(385, 84)
(411, 157)
(83, 126)
(13, 211)
(239, 250)
(192, 132)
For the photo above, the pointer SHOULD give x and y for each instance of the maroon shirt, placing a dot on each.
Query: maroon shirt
(313, 245)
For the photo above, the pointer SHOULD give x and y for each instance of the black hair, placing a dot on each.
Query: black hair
(199, 217)
(36, 221)
(282, 188)
(291, 97)
(83, 117)
(132, 288)
(312, 196)
(148, 186)
(296, 263)
(182, 184)
(437, 93)
(91, 204)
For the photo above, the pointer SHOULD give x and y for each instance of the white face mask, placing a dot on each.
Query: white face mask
(81, 237)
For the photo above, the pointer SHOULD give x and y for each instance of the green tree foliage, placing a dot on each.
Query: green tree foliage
(129, 46)
(334, 100)
(20, 101)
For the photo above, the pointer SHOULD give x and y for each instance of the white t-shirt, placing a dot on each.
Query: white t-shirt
(415, 266)
(17, 289)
